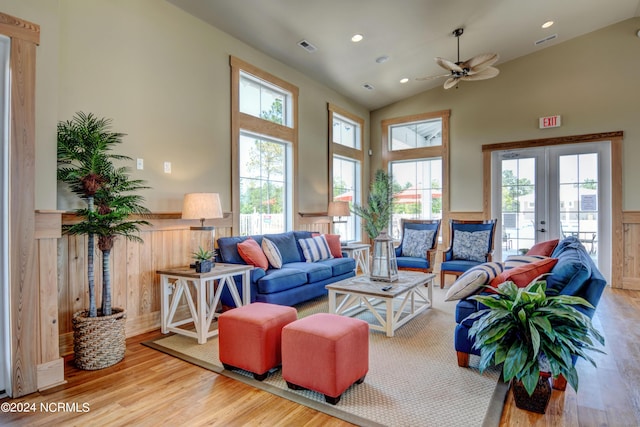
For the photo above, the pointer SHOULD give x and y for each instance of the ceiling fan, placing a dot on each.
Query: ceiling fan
(477, 68)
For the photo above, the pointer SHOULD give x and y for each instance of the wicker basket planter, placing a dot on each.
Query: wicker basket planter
(99, 342)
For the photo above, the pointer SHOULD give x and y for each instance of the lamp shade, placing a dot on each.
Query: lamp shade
(338, 209)
(201, 206)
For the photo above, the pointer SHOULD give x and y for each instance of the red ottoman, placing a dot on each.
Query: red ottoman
(326, 353)
(250, 337)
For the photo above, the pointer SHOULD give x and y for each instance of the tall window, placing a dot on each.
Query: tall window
(345, 149)
(264, 130)
(416, 153)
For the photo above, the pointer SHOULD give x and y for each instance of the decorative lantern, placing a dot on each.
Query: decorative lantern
(384, 266)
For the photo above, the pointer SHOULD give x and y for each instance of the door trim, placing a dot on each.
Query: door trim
(615, 140)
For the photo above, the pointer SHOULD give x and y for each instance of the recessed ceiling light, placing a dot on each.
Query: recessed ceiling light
(547, 24)
(356, 38)
(404, 80)
(382, 59)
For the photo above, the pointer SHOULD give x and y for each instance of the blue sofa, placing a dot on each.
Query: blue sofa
(297, 281)
(574, 274)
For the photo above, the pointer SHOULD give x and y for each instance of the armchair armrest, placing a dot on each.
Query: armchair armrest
(447, 254)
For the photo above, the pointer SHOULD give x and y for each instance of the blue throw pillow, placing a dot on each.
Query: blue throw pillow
(570, 273)
(287, 246)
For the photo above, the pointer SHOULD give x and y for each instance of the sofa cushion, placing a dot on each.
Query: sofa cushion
(252, 254)
(473, 280)
(315, 248)
(287, 246)
(543, 248)
(272, 253)
(573, 268)
(315, 271)
(525, 274)
(276, 280)
(228, 249)
(340, 266)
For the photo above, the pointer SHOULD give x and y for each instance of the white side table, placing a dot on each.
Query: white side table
(178, 282)
(359, 252)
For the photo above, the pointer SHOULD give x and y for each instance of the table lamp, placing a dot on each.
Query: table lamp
(201, 206)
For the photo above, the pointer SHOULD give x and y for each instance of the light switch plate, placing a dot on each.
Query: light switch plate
(167, 167)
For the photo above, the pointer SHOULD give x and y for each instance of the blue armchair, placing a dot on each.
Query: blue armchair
(417, 249)
(471, 245)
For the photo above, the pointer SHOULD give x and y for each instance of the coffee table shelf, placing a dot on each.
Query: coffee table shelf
(392, 308)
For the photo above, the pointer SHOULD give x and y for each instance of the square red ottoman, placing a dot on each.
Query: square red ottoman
(250, 337)
(326, 353)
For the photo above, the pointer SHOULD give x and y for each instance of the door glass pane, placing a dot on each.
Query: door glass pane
(579, 199)
(518, 205)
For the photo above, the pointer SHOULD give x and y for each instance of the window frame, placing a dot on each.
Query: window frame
(246, 122)
(421, 153)
(346, 152)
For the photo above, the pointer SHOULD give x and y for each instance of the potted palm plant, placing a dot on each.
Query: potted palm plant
(85, 163)
(534, 336)
(377, 213)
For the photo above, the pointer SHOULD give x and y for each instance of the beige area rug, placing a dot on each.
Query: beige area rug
(413, 378)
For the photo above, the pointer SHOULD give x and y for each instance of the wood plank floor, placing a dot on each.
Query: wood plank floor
(150, 388)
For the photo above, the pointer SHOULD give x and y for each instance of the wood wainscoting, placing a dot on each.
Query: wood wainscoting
(631, 251)
(168, 243)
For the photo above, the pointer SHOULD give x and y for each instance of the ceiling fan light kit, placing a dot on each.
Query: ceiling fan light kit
(477, 68)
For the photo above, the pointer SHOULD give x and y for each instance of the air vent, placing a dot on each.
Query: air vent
(307, 46)
(546, 39)
(368, 86)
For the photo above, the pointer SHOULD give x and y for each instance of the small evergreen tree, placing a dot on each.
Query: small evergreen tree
(377, 213)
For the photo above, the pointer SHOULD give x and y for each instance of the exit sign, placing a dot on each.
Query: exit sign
(550, 122)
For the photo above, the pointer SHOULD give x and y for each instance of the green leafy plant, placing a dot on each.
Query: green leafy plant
(377, 213)
(525, 329)
(202, 254)
(86, 165)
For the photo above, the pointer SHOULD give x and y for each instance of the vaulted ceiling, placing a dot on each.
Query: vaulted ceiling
(409, 33)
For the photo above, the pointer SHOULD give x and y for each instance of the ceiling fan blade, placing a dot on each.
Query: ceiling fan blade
(451, 82)
(448, 65)
(480, 62)
(487, 73)
(433, 77)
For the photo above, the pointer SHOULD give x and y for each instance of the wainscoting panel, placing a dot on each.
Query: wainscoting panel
(631, 250)
(167, 243)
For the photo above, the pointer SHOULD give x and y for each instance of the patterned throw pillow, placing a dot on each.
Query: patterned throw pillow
(473, 280)
(471, 245)
(415, 243)
(272, 253)
(315, 249)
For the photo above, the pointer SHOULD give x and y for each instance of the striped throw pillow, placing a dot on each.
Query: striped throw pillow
(272, 253)
(473, 280)
(315, 249)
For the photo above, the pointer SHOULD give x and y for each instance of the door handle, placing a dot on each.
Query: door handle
(542, 230)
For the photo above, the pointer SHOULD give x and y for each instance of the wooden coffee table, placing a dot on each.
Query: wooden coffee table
(390, 308)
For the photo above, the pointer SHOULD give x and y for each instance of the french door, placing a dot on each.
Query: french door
(553, 192)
